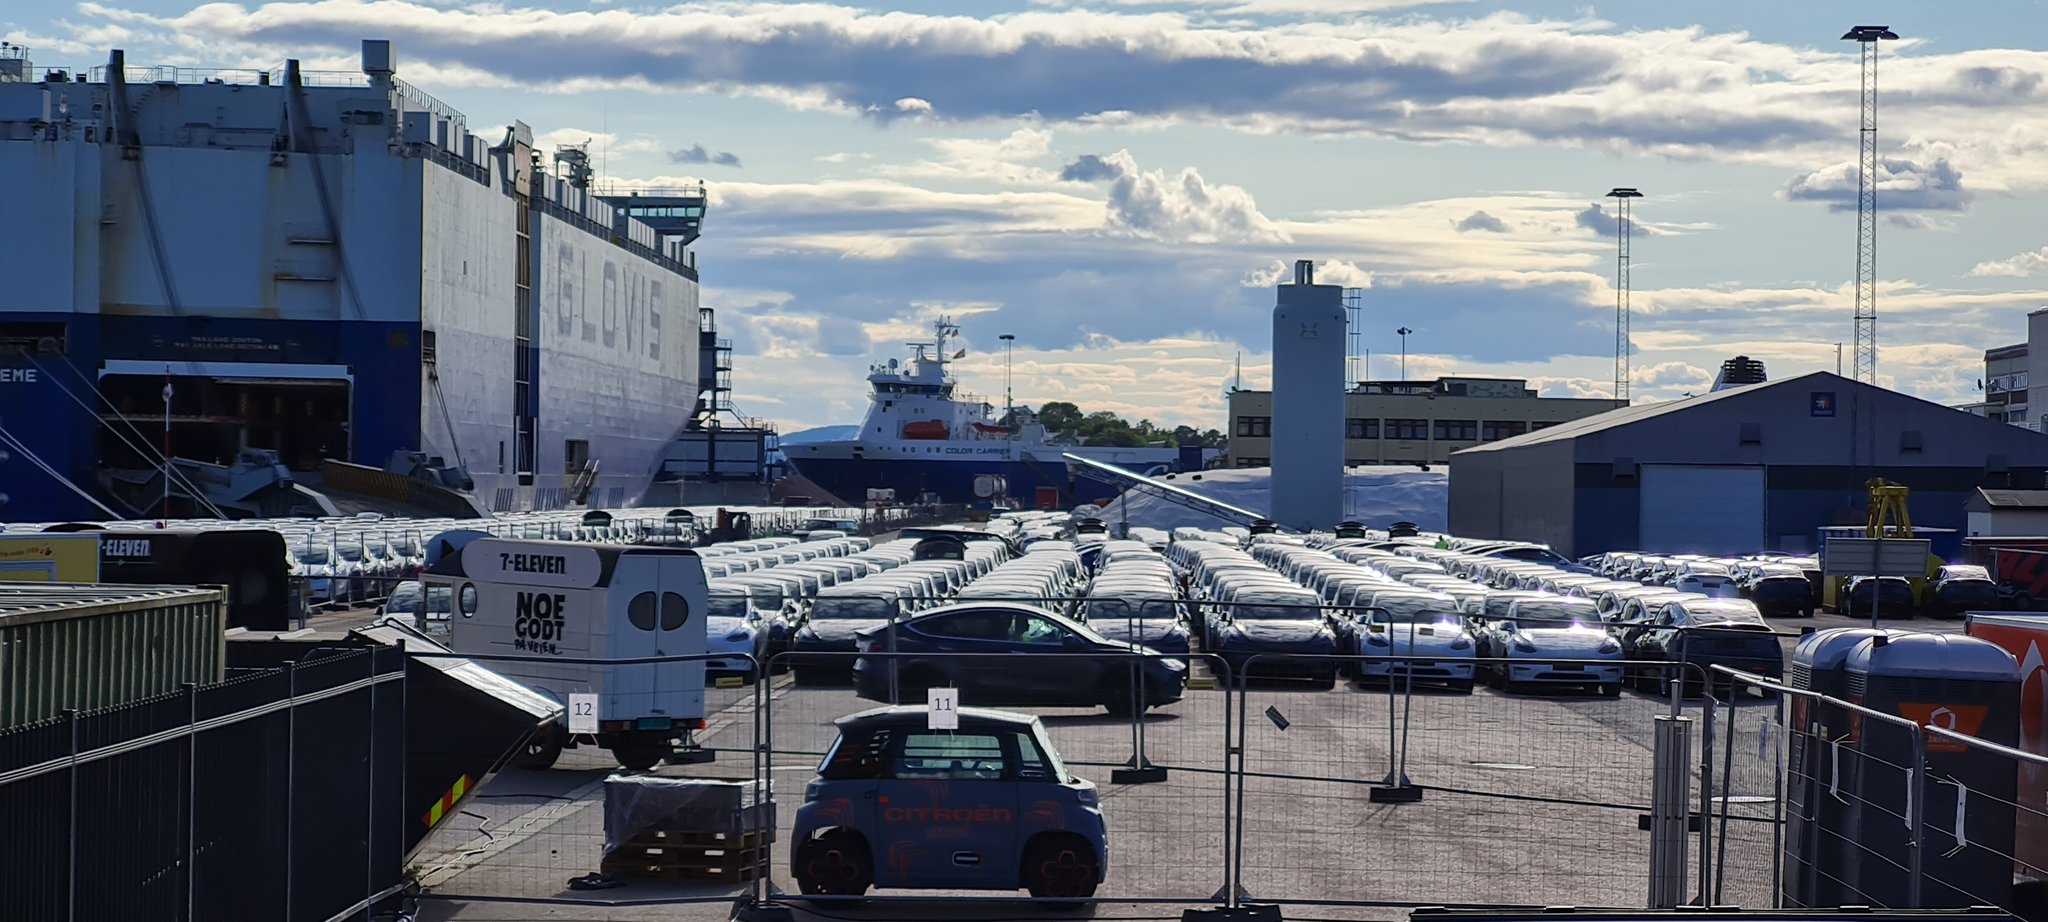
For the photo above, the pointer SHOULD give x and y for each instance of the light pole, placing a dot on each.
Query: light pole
(1403, 333)
(1621, 195)
(1009, 410)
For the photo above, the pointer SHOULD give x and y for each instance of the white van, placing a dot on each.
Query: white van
(576, 602)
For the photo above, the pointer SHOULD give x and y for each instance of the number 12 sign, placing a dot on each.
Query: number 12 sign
(942, 708)
(582, 713)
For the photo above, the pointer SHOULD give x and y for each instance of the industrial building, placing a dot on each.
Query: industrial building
(1993, 513)
(1736, 471)
(2008, 379)
(1413, 422)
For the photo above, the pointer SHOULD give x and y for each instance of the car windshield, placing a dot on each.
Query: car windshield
(1268, 610)
(312, 554)
(728, 606)
(405, 598)
(1964, 571)
(1542, 610)
(831, 607)
(1730, 612)
(349, 551)
(1404, 609)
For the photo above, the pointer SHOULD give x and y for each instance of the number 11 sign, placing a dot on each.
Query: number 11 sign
(942, 708)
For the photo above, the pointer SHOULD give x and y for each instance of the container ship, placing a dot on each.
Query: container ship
(922, 439)
(275, 277)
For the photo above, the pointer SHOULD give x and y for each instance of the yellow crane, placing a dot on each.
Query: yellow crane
(1887, 516)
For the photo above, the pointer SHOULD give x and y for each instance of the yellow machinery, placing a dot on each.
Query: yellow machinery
(1886, 517)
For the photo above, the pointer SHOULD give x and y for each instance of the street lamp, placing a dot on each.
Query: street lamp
(1009, 410)
(1403, 333)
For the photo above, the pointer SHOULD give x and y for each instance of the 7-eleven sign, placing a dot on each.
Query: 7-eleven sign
(1965, 719)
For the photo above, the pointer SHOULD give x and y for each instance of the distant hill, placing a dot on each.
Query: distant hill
(820, 434)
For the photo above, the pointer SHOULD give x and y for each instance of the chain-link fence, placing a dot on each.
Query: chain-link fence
(1458, 796)
(1823, 802)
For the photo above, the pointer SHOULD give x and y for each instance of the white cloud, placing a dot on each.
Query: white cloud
(1148, 203)
(2034, 262)
(1498, 78)
(1902, 185)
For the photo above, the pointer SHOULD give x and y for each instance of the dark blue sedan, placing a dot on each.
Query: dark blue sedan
(1075, 666)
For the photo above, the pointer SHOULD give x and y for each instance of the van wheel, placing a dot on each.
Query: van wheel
(1060, 867)
(834, 864)
(639, 756)
(541, 750)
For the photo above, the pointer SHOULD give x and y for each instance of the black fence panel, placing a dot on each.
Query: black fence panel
(275, 794)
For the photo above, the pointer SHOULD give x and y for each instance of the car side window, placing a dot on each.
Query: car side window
(1032, 629)
(855, 757)
(1031, 765)
(970, 625)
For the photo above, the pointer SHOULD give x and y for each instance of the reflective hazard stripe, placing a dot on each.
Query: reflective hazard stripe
(446, 804)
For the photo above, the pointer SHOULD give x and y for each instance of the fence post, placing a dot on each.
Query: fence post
(1670, 780)
(1709, 710)
(71, 866)
(1727, 781)
(1916, 792)
(191, 800)
(370, 791)
(291, 775)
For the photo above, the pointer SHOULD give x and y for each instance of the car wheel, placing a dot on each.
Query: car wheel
(541, 750)
(1060, 867)
(1610, 690)
(805, 677)
(834, 864)
(1118, 702)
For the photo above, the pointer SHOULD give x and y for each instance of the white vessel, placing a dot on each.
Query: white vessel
(922, 437)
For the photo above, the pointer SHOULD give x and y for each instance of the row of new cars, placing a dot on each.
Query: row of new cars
(1453, 612)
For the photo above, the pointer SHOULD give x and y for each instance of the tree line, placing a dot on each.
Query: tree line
(1105, 428)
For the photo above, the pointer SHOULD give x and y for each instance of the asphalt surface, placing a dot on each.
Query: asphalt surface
(1524, 800)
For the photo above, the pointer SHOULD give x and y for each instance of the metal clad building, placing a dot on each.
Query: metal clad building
(1735, 471)
(324, 265)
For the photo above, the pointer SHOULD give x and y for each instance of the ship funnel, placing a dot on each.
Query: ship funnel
(1304, 272)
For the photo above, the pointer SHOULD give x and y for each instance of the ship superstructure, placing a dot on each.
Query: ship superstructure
(922, 436)
(326, 266)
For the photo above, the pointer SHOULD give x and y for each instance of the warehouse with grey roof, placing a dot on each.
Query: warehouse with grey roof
(1736, 471)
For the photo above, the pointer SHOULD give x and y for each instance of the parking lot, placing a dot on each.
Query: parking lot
(1527, 799)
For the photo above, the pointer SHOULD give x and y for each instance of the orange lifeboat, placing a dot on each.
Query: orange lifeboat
(926, 429)
(991, 429)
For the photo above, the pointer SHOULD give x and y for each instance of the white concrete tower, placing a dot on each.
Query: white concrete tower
(1308, 403)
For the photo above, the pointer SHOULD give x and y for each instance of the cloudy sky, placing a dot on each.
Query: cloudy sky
(1119, 183)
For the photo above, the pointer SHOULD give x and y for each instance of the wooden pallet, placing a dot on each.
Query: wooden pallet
(694, 856)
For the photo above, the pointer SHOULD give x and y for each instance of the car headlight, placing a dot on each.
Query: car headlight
(1174, 665)
(1610, 646)
(736, 635)
(1377, 640)
(1462, 642)
(1524, 645)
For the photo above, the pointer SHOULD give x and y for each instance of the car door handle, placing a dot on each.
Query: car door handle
(967, 859)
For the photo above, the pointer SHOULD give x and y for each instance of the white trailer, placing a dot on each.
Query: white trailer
(558, 606)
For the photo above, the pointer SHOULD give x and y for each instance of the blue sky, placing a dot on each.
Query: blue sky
(1119, 182)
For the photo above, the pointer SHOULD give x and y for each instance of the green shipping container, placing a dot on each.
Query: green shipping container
(79, 646)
